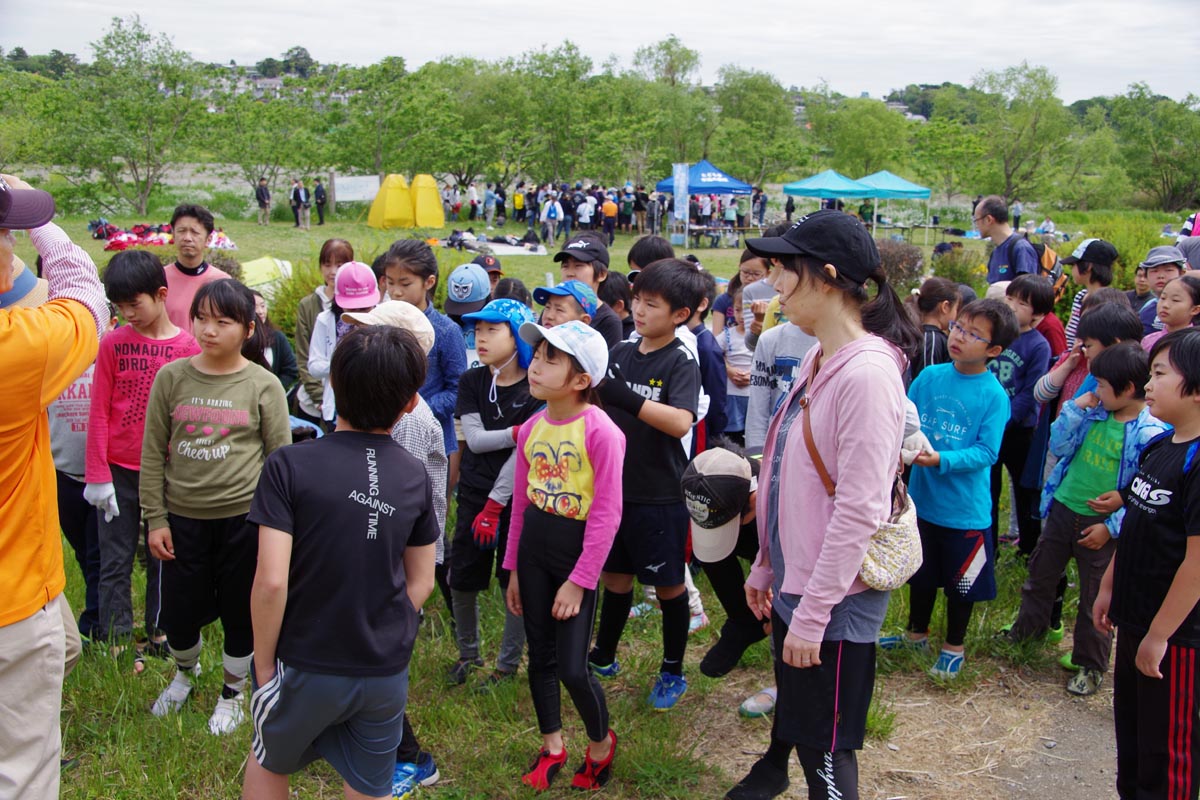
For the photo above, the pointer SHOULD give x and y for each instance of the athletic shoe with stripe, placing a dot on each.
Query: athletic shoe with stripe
(227, 716)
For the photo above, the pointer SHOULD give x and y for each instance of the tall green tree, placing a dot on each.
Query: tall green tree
(1090, 174)
(1158, 137)
(129, 118)
(946, 154)
(859, 136)
(266, 138)
(382, 115)
(757, 137)
(23, 133)
(668, 61)
(1024, 127)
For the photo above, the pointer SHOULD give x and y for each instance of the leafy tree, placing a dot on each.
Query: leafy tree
(129, 118)
(22, 134)
(17, 54)
(859, 136)
(946, 154)
(262, 139)
(1091, 175)
(757, 136)
(668, 61)
(1157, 138)
(1024, 126)
(297, 61)
(269, 68)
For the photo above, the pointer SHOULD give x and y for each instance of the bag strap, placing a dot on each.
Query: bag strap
(830, 486)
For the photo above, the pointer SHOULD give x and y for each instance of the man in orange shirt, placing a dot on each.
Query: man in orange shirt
(42, 351)
(609, 210)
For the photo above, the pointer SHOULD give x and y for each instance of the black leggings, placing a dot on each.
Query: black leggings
(550, 546)
(1014, 450)
(729, 582)
(920, 611)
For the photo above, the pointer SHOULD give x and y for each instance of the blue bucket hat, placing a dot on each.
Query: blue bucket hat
(513, 312)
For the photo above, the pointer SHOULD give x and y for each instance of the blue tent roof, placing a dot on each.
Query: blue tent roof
(827, 184)
(704, 177)
(886, 184)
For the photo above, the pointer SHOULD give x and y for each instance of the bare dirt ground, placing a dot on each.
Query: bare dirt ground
(1013, 733)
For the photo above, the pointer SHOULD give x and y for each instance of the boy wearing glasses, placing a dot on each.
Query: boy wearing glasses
(963, 410)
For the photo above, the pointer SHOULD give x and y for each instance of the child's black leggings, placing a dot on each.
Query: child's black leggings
(558, 649)
(920, 611)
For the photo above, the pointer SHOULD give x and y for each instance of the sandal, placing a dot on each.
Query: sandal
(754, 707)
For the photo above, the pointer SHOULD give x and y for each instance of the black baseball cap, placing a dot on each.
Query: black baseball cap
(584, 248)
(1093, 251)
(832, 237)
(22, 209)
(489, 263)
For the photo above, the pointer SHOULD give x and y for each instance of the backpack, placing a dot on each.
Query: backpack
(1051, 268)
(552, 211)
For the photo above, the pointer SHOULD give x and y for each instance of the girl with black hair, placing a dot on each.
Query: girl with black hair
(211, 421)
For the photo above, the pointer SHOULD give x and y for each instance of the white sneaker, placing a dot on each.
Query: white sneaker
(172, 697)
(229, 713)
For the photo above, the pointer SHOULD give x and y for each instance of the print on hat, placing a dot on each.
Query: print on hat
(699, 506)
(461, 289)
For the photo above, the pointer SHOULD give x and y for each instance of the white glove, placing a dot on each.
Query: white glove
(914, 445)
(104, 497)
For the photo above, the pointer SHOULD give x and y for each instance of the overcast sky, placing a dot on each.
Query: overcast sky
(1094, 47)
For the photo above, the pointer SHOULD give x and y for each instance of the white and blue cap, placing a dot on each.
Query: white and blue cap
(467, 289)
(575, 338)
(513, 312)
(583, 294)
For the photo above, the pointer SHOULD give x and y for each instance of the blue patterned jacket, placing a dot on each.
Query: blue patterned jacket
(1067, 435)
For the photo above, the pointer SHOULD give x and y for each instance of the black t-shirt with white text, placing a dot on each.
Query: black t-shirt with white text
(513, 406)
(352, 503)
(1162, 510)
(654, 461)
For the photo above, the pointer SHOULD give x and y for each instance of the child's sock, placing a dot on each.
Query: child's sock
(676, 616)
(187, 659)
(239, 668)
(614, 613)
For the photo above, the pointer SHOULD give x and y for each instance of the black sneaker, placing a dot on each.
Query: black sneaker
(458, 673)
(763, 782)
(723, 656)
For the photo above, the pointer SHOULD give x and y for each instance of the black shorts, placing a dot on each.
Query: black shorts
(825, 707)
(211, 575)
(651, 543)
(471, 568)
(959, 562)
(354, 723)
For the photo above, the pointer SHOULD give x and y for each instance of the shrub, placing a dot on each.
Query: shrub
(285, 296)
(222, 260)
(902, 262)
(963, 265)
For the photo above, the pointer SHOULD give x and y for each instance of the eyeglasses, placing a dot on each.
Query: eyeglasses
(961, 331)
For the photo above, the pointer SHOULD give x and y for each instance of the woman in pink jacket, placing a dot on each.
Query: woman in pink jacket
(824, 619)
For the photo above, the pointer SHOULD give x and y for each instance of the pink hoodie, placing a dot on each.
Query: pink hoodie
(857, 403)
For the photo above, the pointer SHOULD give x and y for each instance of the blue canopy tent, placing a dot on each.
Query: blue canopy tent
(887, 185)
(827, 185)
(703, 177)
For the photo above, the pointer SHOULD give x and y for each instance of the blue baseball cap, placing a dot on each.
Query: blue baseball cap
(583, 294)
(513, 312)
(467, 289)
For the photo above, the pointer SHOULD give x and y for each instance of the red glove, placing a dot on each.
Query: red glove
(486, 526)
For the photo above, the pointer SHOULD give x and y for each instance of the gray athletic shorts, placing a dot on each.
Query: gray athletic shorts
(353, 723)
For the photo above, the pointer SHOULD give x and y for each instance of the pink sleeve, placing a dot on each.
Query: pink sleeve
(605, 447)
(868, 455)
(70, 272)
(99, 415)
(520, 495)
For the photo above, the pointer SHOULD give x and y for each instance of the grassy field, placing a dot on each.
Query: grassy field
(482, 741)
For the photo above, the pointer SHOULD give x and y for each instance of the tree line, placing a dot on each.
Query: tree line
(117, 125)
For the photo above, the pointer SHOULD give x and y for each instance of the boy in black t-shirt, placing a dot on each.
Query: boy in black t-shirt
(651, 392)
(584, 258)
(345, 561)
(493, 401)
(1151, 589)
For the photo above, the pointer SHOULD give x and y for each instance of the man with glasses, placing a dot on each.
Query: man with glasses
(1012, 254)
(42, 351)
(192, 226)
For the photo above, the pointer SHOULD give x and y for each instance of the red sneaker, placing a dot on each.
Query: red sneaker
(544, 768)
(593, 775)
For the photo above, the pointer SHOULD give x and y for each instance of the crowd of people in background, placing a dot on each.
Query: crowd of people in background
(618, 425)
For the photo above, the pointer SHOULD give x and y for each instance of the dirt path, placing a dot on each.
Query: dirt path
(1013, 734)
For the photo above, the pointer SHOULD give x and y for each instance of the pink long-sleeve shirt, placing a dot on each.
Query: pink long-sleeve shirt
(125, 370)
(857, 405)
(571, 468)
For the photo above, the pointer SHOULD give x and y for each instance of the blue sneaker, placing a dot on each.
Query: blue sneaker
(948, 665)
(902, 642)
(667, 691)
(408, 777)
(605, 670)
